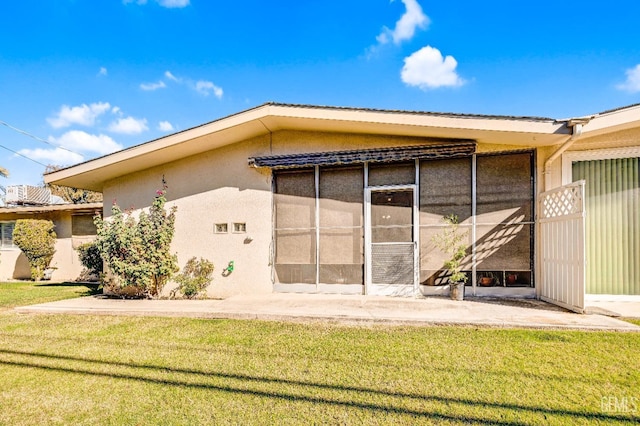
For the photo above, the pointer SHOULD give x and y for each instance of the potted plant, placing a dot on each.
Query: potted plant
(452, 242)
(486, 279)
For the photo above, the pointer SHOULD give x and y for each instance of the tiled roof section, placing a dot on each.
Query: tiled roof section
(378, 155)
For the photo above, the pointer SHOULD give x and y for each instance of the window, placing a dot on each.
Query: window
(612, 240)
(504, 218)
(445, 188)
(319, 235)
(221, 228)
(295, 200)
(341, 225)
(82, 225)
(6, 235)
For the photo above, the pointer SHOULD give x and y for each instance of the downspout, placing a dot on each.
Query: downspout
(576, 125)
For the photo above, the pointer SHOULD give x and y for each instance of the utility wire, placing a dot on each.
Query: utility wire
(4, 123)
(22, 155)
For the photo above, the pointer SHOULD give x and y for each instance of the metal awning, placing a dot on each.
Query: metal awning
(453, 149)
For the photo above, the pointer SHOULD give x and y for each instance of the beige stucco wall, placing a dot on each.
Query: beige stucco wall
(14, 265)
(214, 187)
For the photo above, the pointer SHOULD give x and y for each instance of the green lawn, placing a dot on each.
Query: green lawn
(20, 293)
(66, 369)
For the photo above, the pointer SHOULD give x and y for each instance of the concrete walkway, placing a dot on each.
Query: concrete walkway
(512, 313)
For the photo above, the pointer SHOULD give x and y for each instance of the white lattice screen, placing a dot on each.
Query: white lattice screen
(561, 213)
(563, 201)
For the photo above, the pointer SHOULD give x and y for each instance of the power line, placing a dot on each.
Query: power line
(22, 155)
(4, 123)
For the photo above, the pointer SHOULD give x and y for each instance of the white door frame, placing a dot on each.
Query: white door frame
(369, 287)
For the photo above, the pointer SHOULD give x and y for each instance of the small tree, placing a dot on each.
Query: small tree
(452, 243)
(36, 238)
(137, 252)
(195, 277)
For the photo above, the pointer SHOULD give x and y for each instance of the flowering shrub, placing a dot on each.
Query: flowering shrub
(36, 238)
(195, 277)
(137, 252)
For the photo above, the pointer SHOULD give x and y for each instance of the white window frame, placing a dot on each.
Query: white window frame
(2, 246)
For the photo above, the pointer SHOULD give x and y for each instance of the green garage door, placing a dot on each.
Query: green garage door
(612, 224)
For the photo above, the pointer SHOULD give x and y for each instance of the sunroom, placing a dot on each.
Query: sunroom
(363, 221)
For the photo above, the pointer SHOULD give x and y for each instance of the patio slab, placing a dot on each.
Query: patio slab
(511, 313)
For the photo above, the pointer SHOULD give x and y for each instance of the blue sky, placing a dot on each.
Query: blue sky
(88, 77)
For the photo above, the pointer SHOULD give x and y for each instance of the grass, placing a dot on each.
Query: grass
(635, 321)
(21, 293)
(66, 369)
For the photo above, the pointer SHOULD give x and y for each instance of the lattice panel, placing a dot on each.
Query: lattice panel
(392, 263)
(564, 201)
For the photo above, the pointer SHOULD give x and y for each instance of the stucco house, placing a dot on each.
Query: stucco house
(346, 200)
(73, 226)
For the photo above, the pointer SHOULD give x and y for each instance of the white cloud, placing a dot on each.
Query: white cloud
(165, 126)
(170, 76)
(170, 4)
(173, 3)
(632, 84)
(102, 72)
(406, 26)
(206, 88)
(52, 156)
(129, 125)
(153, 86)
(83, 114)
(77, 140)
(427, 69)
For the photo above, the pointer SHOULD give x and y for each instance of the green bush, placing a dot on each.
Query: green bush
(137, 252)
(89, 255)
(36, 238)
(195, 277)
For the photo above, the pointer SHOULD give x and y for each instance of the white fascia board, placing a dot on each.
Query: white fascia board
(622, 119)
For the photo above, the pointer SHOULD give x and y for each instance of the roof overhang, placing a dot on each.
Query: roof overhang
(73, 208)
(525, 131)
(612, 121)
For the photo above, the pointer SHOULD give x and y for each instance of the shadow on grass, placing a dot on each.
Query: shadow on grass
(542, 335)
(397, 408)
(92, 288)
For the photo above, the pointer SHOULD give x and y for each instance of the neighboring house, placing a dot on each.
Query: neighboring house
(73, 226)
(346, 200)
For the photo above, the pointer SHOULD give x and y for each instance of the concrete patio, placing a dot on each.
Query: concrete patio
(485, 312)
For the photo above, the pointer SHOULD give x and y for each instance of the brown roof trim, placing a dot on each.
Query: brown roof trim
(377, 155)
(77, 208)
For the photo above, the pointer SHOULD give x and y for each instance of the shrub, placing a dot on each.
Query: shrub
(137, 252)
(89, 255)
(195, 277)
(36, 238)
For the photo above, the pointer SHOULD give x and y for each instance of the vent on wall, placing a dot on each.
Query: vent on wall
(26, 194)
